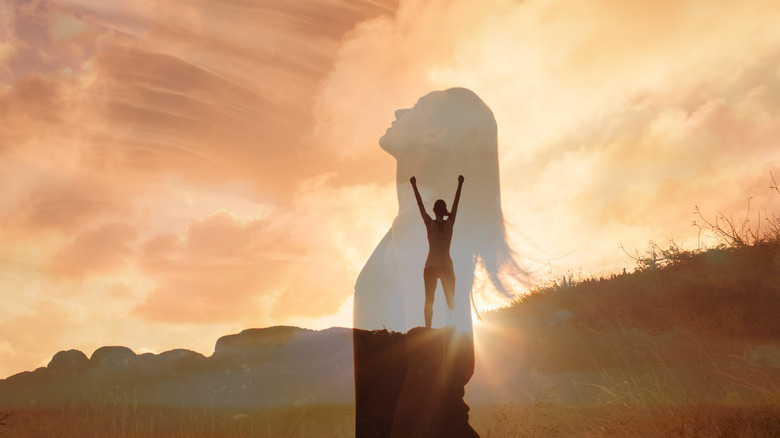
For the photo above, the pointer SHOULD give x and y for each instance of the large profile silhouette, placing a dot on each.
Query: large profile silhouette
(410, 379)
(445, 134)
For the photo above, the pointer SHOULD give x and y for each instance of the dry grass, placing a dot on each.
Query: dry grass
(521, 421)
(327, 421)
(541, 419)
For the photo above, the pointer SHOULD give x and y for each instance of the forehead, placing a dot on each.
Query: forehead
(430, 99)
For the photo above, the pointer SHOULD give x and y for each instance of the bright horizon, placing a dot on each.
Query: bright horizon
(172, 172)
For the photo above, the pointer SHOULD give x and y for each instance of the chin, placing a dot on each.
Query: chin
(387, 145)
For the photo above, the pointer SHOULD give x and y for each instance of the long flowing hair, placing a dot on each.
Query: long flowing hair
(472, 145)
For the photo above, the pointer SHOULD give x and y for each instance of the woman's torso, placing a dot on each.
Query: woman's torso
(439, 240)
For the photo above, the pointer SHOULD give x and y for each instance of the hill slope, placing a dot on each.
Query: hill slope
(704, 324)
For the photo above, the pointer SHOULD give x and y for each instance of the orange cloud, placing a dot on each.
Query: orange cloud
(29, 335)
(299, 262)
(71, 204)
(29, 109)
(614, 118)
(99, 250)
(215, 272)
(46, 37)
(109, 109)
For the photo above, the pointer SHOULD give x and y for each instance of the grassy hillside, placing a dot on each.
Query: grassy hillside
(704, 310)
(728, 293)
(688, 344)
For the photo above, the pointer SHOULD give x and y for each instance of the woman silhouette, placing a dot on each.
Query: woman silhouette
(438, 265)
(446, 133)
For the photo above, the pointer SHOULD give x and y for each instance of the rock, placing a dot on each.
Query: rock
(257, 367)
(412, 385)
(169, 362)
(112, 357)
(179, 358)
(255, 339)
(440, 364)
(68, 361)
(380, 369)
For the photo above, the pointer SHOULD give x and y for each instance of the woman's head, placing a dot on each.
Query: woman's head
(454, 132)
(440, 208)
(449, 118)
(411, 128)
(468, 125)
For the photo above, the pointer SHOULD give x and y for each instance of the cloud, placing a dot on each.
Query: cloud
(212, 273)
(29, 336)
(385, 64)
(71, 204)
(606, 123)
(159, 89)
(637, 174)
(30, 109)
(217, 92)
(299, 261)
(102, 250)
(340, 227)
(125, 127)
(44, 37)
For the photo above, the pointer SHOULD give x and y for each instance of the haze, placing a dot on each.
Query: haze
(173, 171)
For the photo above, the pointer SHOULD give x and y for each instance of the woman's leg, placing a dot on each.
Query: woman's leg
(448, 284)
(430, 278)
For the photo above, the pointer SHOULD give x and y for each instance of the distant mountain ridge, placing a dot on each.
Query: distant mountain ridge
(275, 365)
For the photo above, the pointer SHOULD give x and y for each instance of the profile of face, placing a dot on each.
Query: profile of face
(413, 126)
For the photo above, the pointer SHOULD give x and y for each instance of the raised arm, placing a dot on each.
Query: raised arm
(417, 196)
(457, 198)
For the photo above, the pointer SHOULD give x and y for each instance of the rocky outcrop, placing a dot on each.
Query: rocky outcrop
(412, 385)
(112, 357)
(277, 365)
(439, 365)
(68, 361)
(257, 339)
(380, 370)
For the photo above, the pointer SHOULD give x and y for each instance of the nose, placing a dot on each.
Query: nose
(400, 112)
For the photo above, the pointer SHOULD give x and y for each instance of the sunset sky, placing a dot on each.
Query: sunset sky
(172, 171)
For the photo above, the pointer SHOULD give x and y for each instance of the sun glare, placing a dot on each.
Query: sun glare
(489, 338)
